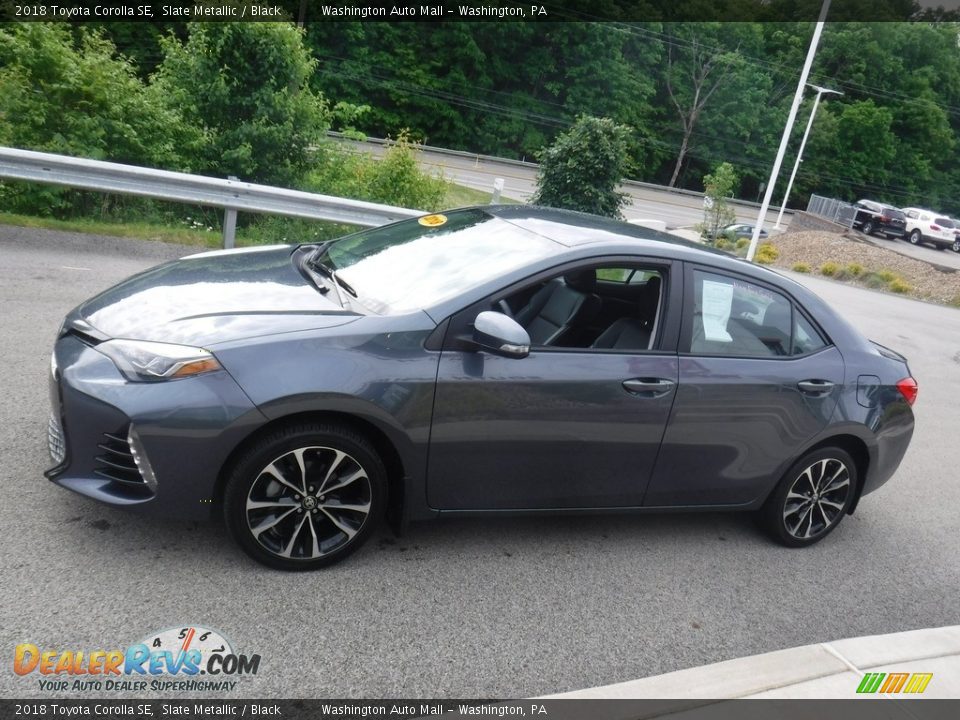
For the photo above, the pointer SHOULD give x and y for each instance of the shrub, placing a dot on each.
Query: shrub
(887, 276)
(767, 253)
(873, 280)
(584, 166)
(899, 285)
(722, 244)
(854, 269)
(742, 243)
(829, 269)
(801, 267)
(394, 180)
(955, 302)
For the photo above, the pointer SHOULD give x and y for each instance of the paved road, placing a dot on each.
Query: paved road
(481, 608)
(947, 257)
(477, 172)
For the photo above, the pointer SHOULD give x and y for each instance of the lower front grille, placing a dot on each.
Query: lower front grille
(55, 442)
(117, 462)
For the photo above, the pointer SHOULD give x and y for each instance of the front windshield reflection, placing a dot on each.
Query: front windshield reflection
(424, 266)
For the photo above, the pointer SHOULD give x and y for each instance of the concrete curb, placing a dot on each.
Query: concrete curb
(825, 670)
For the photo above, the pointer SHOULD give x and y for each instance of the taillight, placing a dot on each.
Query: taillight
(908, 388)
(935, 227)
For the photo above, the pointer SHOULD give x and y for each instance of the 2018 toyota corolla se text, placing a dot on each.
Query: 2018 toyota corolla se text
(502, 359)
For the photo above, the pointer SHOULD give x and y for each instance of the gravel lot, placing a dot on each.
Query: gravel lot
(928, 280)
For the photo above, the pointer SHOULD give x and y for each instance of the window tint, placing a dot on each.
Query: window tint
(806, 339)
(944, 222)
(735, 317)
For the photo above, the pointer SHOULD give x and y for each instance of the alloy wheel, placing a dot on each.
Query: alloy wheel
(308, 503)
(817, 499)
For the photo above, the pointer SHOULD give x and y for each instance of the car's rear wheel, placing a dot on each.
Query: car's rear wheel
(305, 496)
(915, 237)
(956, 246)
(868, 227)
(812, 498)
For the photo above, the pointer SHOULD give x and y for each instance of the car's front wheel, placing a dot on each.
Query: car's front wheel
(915, 237)
(956, 246)
(868, 227)
(812, 498)
(305, 496)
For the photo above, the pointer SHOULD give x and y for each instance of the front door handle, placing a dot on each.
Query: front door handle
(815, 387)
(648, 387)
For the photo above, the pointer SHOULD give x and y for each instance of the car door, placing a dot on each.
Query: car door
(757, 381)
(563, 427)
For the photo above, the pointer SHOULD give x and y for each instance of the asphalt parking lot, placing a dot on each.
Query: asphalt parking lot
(461, 608)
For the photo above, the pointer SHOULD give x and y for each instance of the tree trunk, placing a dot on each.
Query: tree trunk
(680, 158)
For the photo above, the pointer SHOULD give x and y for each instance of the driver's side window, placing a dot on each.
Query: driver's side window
(613, 308)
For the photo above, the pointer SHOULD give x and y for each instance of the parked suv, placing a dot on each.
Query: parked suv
(873, 217)
(929, 227)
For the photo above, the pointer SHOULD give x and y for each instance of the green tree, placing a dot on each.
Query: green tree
(246, 86)
(717, 213)
(583, 167)
(71, 94)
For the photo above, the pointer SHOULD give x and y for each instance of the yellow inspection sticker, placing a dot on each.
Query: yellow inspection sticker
(433, 220)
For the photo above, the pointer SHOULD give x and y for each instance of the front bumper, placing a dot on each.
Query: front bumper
(157, 447)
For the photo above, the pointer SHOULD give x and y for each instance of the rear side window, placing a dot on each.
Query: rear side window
(739, 318)
(944, 222)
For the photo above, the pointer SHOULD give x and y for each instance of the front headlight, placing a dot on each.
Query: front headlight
(143, 361)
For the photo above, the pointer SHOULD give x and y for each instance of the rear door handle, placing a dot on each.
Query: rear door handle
(815, 387)
(648, 387)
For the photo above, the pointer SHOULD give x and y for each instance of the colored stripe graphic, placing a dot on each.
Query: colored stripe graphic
(918, 683)
(870, 682)
(894, 682)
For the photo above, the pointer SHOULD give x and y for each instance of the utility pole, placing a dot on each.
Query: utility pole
(798, 96)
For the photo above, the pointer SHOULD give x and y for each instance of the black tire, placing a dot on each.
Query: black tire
(783, 516)
(311, 532)
(915, 237)
(956, 246)
(868, 227)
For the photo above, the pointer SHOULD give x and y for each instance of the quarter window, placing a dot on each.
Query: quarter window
(736, 317)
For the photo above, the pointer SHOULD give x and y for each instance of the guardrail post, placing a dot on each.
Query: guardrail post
(229, 223)
(497, 189)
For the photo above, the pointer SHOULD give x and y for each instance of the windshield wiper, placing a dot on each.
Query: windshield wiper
(335, 281)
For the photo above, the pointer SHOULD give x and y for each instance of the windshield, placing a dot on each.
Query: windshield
(418, 263)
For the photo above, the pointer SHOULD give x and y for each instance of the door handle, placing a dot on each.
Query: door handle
(649, 387)
(815, 387)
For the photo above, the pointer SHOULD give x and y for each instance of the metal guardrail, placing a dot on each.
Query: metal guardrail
(232, 195)
(837, 211)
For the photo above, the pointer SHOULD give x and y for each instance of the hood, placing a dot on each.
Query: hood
(214, 297)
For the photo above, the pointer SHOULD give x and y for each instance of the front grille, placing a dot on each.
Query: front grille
(55, 441)
(116, 462)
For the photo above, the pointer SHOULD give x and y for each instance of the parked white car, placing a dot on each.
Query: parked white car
(929, 227)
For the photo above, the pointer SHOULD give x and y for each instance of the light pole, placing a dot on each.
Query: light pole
(798, 96)
(803, 144)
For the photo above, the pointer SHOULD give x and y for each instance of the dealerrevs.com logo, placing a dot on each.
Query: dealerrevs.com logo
(185, 659)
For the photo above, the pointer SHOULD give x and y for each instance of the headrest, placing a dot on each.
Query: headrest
(584, 281)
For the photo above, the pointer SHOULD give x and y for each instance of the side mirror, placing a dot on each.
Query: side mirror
(500, 335)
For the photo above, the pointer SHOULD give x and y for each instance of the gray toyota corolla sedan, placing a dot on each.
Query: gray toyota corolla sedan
(497, 359)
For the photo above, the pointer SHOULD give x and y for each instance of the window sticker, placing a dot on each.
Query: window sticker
(717, 299)
(433, 220)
